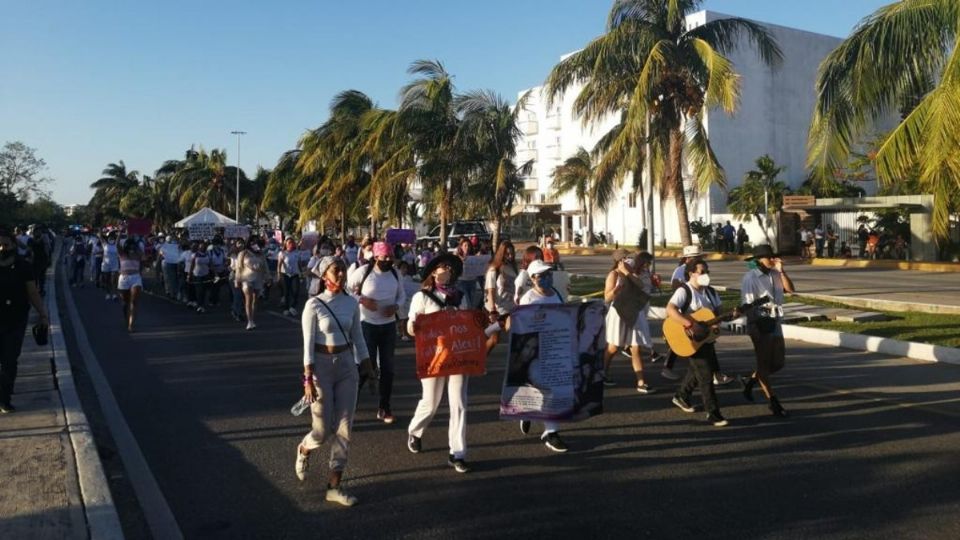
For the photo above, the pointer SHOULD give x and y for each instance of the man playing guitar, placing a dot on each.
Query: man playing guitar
(693, 295)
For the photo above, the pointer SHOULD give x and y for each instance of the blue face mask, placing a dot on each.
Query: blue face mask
(546, 281)
(752, 265)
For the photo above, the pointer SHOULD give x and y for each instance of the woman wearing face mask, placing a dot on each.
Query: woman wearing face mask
(332, 345)
(696, 293)
(236, 310)
(467, 287)
(251, 275)
(623, 292)
(288, 273)
(200, 276)
(523, 283)
(500, 286)
(438, 293)
(110, 265)
(130, 283)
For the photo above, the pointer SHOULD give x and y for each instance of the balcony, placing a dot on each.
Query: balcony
(554, 152)
(529, 127)
(526, 154)
(530, 184)
(553, 122)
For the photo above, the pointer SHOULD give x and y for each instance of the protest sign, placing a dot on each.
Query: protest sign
(555, 363)
(201, 231)
(475, 266)
(236, 231)
(450, 342)
(309, 240)
(401, 236)
(139, 226)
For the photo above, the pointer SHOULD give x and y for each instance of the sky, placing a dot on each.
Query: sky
(94, 82)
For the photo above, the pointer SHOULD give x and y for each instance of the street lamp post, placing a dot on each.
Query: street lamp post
(237, 208)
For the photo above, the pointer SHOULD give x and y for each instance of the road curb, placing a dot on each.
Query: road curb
(917, 266)
(861, 342)
(103, 522)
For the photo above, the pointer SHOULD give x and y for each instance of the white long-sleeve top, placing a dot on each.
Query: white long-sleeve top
(421, 304)
(319, 327)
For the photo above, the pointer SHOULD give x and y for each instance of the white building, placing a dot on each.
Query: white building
(773, 118)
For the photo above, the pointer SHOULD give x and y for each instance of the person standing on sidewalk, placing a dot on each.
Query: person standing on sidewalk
(18, 291)
(695, 294)
(767, 278)
(377, 287)
(332, 345)
(438, 293)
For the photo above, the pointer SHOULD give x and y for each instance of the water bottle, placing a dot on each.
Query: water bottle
(300, 406)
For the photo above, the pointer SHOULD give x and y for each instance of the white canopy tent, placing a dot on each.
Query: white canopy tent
(205, 215)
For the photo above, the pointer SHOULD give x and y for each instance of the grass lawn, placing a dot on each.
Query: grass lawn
(941, 330)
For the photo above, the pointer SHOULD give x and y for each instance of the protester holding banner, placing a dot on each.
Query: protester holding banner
(333, 342)
(130, 283)
(110, 265)
(626, 317)
(251, 275)
(542, 292)
(438, 293)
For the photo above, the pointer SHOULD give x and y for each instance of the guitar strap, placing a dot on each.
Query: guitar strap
(711, 294)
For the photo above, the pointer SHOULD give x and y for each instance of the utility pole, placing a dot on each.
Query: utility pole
(238, 134)
(649, 202)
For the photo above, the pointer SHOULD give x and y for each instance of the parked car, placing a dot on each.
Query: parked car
(457, 229)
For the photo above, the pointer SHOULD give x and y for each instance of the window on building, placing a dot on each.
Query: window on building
(543, 198)
(632, 200)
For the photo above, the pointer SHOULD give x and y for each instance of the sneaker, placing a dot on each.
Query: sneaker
(385, 415)
(302, 464)
(251, 326)
(201, 310)
(644, 388)
(717, 420)
(748, 383)
(524, 426)
(107, 297)
(413, 444)
(337, 495)
(293, 312)
(683, 404)
(553, 441)
(776, 408)
(7, 408)
(607, 382)
(626, 353)
(657, 357)
(458, 464)
(720, 379)
(668, 373)
(236, 318)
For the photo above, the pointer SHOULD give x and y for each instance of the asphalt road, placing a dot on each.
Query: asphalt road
(869, 451)
(874, 283)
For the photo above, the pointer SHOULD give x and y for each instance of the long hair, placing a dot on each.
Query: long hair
(499, 258)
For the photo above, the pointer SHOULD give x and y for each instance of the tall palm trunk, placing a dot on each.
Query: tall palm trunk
(444, 217)
(343, 225)
(589, 212)
(675, 181)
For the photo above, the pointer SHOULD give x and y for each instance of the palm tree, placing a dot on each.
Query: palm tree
(203, 179)
(760, 193)
(577, 174)
(111, 188)
(889, 60)
(487, 137)
(284, 186)
(655, 70)
(428, 115)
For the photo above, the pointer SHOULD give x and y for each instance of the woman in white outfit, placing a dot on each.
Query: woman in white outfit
(333, 345)
(439, 292)
(110, 265)
(620, 333)
(129, 284)
(251, 275)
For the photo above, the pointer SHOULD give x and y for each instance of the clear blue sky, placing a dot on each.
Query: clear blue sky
(92, 82)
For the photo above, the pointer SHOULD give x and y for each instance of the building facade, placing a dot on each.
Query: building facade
(773, 118)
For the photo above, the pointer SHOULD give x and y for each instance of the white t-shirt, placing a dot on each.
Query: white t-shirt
(421, 304)
(319, 325)
(381, 287)
(185, 258)
(533, 297)
(505, 289)
(350, 253)
(290, 262)
(701, 298)
(756, 284)
(170, 252)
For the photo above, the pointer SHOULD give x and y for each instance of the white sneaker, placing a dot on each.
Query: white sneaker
(339, 496)
(668, 373)
(293, 312)
(302, 464)
(251, 326)
(107, 297)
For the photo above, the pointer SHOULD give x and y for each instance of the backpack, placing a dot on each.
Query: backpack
(366, 274)
(711, 293)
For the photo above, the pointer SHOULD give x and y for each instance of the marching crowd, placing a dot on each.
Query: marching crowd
(360, 298)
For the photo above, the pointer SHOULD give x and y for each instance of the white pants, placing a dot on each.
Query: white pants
(332, 412)
(427, 407)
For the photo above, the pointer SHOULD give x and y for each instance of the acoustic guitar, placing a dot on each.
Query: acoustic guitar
(685, 342)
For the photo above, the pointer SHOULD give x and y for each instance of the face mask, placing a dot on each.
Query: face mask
(630, 263)
(384, 265)
(442, 277)
(752, 265)
(704, 280)
(332, 286)
(546, 281)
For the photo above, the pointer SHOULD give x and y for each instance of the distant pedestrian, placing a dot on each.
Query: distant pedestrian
(130, 282)
(333, 346)
(110, 265)
(18, 291)
(862, 236)
(78, 260)
(742, 238)
(729, 236)
(251, 274)
(819, 239)
(831, 238)
(170, 255)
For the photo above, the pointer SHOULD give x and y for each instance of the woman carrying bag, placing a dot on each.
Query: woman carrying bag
(332, 344)
(438, 293)
(626, 315)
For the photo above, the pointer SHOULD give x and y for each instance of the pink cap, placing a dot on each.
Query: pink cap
(381, 249)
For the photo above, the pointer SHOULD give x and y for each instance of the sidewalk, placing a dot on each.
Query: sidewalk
(53, 484)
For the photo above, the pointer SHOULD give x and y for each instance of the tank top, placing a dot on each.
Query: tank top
(127, 265)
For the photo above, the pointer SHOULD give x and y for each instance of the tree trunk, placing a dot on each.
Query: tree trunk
(766, 227)
(444, 216)
(590, 224)
(497, 223)
(675, 181)
(343, 226)
(373, 226)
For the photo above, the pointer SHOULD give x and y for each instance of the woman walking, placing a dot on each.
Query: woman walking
(468, 287)
(438, 293)
(251, 275)
(130, 283)
(199, 275)
(110, 265)
(500, 287)
(626, 321)
(288, 274)
(332, 344)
